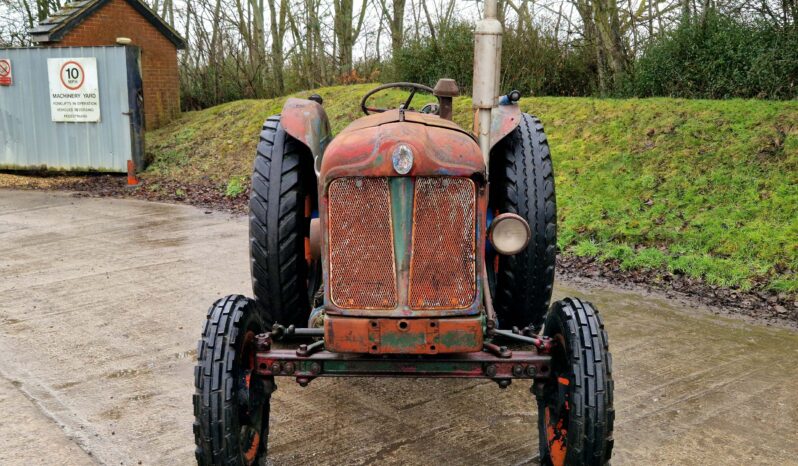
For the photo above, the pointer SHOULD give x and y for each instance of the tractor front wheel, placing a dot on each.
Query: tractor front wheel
(575, 412)
(231, 402)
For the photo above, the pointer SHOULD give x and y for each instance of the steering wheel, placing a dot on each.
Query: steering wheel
(413, 89)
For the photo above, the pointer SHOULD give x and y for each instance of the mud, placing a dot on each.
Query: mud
(102, 301)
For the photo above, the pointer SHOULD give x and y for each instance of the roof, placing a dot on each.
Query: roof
(56, 26)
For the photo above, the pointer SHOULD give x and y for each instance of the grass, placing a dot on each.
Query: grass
(704, 188)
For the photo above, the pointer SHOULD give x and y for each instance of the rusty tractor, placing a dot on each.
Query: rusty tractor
(405, 247)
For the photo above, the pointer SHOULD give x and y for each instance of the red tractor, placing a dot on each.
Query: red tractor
(405, 247)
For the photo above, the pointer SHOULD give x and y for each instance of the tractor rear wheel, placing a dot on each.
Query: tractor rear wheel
(284, 277)
(231, 401)
(575, 412)
(522, 182)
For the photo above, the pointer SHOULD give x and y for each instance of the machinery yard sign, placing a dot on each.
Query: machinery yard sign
(5, 72)
(74, 93)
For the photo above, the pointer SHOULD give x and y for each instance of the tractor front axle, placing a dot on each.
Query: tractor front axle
(310, 361)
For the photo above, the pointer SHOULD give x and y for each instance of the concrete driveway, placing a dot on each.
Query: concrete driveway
(102, 302)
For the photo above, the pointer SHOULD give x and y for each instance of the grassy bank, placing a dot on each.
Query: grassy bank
(708, 189)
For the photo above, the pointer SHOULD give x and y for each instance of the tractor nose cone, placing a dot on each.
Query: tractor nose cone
(402, 159)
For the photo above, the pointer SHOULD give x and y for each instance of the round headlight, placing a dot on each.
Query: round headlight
(509, 234)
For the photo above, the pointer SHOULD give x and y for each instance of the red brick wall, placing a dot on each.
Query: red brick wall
(158, 55)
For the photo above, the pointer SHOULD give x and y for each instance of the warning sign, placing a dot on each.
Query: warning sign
(5, 72)
(74, 93)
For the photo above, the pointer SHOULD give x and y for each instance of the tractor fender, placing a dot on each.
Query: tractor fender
(307, 122)
(504, 120)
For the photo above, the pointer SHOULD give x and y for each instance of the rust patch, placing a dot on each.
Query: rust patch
(307, 122)
(504, 120)
(442, 268)
(403, 336)
(362, 267)
(367, 152)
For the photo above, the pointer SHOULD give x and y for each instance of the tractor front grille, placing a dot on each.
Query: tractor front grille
(362, 271)
(442, 264)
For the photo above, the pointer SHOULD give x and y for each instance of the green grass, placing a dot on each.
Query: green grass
(704, 188)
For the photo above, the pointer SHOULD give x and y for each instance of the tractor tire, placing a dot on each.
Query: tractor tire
(575, 412)
(522, 182)
(231, 402)
(284, 278)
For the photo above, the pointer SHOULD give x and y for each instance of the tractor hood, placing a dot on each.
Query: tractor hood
(440, 147)
(394, 116)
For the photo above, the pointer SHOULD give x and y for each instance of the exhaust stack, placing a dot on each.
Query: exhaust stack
(487, 63)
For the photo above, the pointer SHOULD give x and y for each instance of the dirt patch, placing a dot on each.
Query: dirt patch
(767, 307)
(206, 196)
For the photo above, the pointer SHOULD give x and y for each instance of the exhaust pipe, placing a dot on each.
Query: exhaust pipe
(487, 63)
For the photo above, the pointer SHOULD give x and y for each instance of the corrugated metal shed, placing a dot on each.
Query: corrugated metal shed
(29, 139)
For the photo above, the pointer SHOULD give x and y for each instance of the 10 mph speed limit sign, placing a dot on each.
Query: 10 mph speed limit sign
(74, 92)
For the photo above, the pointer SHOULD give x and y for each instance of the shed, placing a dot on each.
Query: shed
(86, 23)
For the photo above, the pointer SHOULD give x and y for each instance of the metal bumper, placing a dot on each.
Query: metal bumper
(403, 336)
(308, 362)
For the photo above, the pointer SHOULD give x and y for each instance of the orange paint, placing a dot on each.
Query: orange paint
(364, 148)
(555, 436)
(249, 455)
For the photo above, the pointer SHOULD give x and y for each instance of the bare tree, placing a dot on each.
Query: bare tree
(346, 32)
(277, 19)
(395, 16)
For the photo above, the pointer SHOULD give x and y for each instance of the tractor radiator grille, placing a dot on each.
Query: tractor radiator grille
(442, 264)
(362, 271)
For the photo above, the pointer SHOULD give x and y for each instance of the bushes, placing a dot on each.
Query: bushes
(423, 60)
(721, 58)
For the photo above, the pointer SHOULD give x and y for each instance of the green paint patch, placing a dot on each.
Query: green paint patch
(459, 339)
(387, 366)
(403, 340)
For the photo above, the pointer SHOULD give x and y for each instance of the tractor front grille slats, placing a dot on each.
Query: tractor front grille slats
(362, 271)
(442, 264)
(361, 245)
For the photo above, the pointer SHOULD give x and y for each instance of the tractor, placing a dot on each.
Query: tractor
(406, 246)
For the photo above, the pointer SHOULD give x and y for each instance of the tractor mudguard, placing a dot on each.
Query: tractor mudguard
(307, 122)
(504, 119)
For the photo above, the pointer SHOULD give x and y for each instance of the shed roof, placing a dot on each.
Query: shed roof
(57, 25)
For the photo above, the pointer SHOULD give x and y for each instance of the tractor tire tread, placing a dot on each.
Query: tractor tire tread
(214, 433)
(525, 280)
(275, 226)
(592, 409)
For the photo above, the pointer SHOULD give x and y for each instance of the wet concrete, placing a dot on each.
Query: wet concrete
(101, 304)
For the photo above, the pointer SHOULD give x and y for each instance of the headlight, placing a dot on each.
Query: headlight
(509, 234)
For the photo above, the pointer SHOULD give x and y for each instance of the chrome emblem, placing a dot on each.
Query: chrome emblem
(402, 159)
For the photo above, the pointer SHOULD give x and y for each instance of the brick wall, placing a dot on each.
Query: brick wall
(160, 78)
